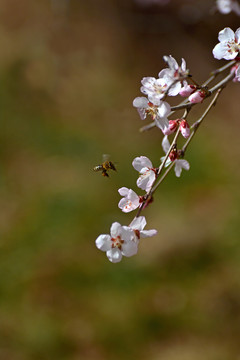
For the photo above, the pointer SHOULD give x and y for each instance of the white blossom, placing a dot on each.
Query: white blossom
(120, 242)
(179, 163)
(147, 173)
(174, 75)
(229, 46)
(159, 113)
(130, 200)
(138, 224)
(155, 89)
(226, 6)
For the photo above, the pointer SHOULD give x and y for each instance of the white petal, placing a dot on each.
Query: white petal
(129, 248)
(178, 169)
(138, 223)
(114, 255)
(164, 109)
(175, 89)
(219, 51)
(140, 102)
(140, 162)
(103, 242)
(165, 144)
(226, 35)
(179, 165)
(151, 180)
(237, 33)
(161, 123)
(148, 233)
(184, 65)
(115, 230)
(123, 191)
(172, 63)
(142, 182)
(127, 233)
(184, 164)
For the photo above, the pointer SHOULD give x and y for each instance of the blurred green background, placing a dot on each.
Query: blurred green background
(69, 70)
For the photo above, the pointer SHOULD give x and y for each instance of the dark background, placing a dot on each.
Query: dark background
(69, 71)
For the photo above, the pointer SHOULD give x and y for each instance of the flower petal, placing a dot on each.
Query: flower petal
(226, 34)
(138, 223)
(129, 248)
(123, 191)
(165, 144)
(141, 162)
(114, 255)
(115, 230)
(140, 102)
(103, 242)
(148, 233)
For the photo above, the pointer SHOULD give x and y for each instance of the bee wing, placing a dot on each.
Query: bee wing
(105, 157)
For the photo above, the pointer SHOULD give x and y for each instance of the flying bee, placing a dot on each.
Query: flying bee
(105, 166)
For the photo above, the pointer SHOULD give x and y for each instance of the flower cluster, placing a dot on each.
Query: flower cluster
(172, 81)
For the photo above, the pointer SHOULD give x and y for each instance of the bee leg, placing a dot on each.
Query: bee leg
(104, 173)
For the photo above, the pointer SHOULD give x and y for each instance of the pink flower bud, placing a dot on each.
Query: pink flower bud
(185, 129)
(173, 154)
(187, 90)
(197, 97)
(173, 124)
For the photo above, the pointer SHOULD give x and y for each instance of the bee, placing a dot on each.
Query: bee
(105, 166)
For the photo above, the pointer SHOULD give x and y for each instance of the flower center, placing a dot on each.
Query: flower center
(128, 205)
(117, 242)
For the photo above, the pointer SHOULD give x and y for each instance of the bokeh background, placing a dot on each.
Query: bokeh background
(69, 70)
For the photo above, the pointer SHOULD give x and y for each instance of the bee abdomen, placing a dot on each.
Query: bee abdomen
(98, 168)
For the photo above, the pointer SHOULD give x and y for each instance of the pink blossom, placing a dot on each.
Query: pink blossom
(173, 124)
(236, 69)
(187, 89)
(185, 129)
(197, 97)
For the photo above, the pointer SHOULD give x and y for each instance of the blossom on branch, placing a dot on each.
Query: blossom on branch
(185, 129)
(130, 201)
(137, 225)
(121, 242)
(229, 46)
(179, 163)
(147, 173)
(187, 89)
(155, 89)
(174, 75)
(197, 97)
(159, 113)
